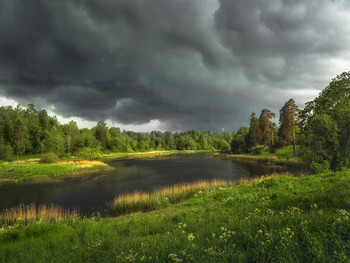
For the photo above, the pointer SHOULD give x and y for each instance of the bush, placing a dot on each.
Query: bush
(319, 168)
(259, 149)
(6, 153)
(89, 153)
(49, 158)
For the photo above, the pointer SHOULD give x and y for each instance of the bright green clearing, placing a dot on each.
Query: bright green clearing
(276, 219)
(29, 169)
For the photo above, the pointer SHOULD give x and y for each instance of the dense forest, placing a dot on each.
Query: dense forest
(320, 133)
(29, 131)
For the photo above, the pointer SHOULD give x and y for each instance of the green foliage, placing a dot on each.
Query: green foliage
(254, 134)
(287, 152)
(6, 152)
(31, 132)
(323, 167)
(224, 146)
(326, 123)
(259, 149)
(289, 118)
(49, 158)
(89, 153)
(266, 128)
(239, 141)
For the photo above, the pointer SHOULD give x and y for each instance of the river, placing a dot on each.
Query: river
(91, 193)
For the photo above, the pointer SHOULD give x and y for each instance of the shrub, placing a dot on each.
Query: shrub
(259, 149)
(89, 153)
(6, 153)
(49, 158)
(318, 168)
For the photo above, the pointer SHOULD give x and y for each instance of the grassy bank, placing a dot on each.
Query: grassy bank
(275, 219)
(283, 156)
(31, 169)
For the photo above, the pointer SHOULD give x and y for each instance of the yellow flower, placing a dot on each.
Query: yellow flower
(191, 237)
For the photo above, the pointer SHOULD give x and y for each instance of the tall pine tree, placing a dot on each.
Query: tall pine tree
(289, 117)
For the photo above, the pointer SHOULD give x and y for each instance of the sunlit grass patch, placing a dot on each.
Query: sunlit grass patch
(84, 163)
(160, 197)
(31, 169)
(26, 213)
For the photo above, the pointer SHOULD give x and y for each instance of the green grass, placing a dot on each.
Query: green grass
(276, 219)
(283, 156)
(33, 170)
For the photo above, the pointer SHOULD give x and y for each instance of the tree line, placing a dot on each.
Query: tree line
(29, 131)
(320, 132)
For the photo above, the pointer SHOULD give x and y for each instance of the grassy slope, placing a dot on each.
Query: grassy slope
(277, 219)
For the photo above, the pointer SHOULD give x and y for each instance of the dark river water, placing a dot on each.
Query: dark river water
(91, 193)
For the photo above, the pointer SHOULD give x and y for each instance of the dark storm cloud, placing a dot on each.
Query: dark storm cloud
(187, 63)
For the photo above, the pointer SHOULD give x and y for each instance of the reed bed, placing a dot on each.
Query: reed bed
(31, 212)
(160, 197)
(84, 163)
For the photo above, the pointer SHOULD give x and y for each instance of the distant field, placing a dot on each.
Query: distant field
(274, 219)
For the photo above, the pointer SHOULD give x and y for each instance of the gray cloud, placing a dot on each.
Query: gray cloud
(189, 64)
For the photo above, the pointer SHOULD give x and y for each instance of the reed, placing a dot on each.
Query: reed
(160, 197)
(31, 212)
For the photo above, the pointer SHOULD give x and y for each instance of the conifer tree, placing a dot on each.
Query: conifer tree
(289, 117)
(267, 128)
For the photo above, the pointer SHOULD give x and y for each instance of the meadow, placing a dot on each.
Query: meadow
(32, 170)
(271, 219)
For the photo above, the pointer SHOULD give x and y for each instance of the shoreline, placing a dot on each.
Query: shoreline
(280, 218)
(272, 159)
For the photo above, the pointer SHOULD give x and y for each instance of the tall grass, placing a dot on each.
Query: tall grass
(160, 197)
(26, 213)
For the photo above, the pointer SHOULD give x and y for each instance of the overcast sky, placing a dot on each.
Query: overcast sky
(169, 65)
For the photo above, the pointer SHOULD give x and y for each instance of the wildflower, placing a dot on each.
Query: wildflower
(190, 237)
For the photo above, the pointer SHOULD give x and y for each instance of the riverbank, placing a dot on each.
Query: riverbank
(263, 158)
(34, 171)
(150, 153)
(274, 219)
